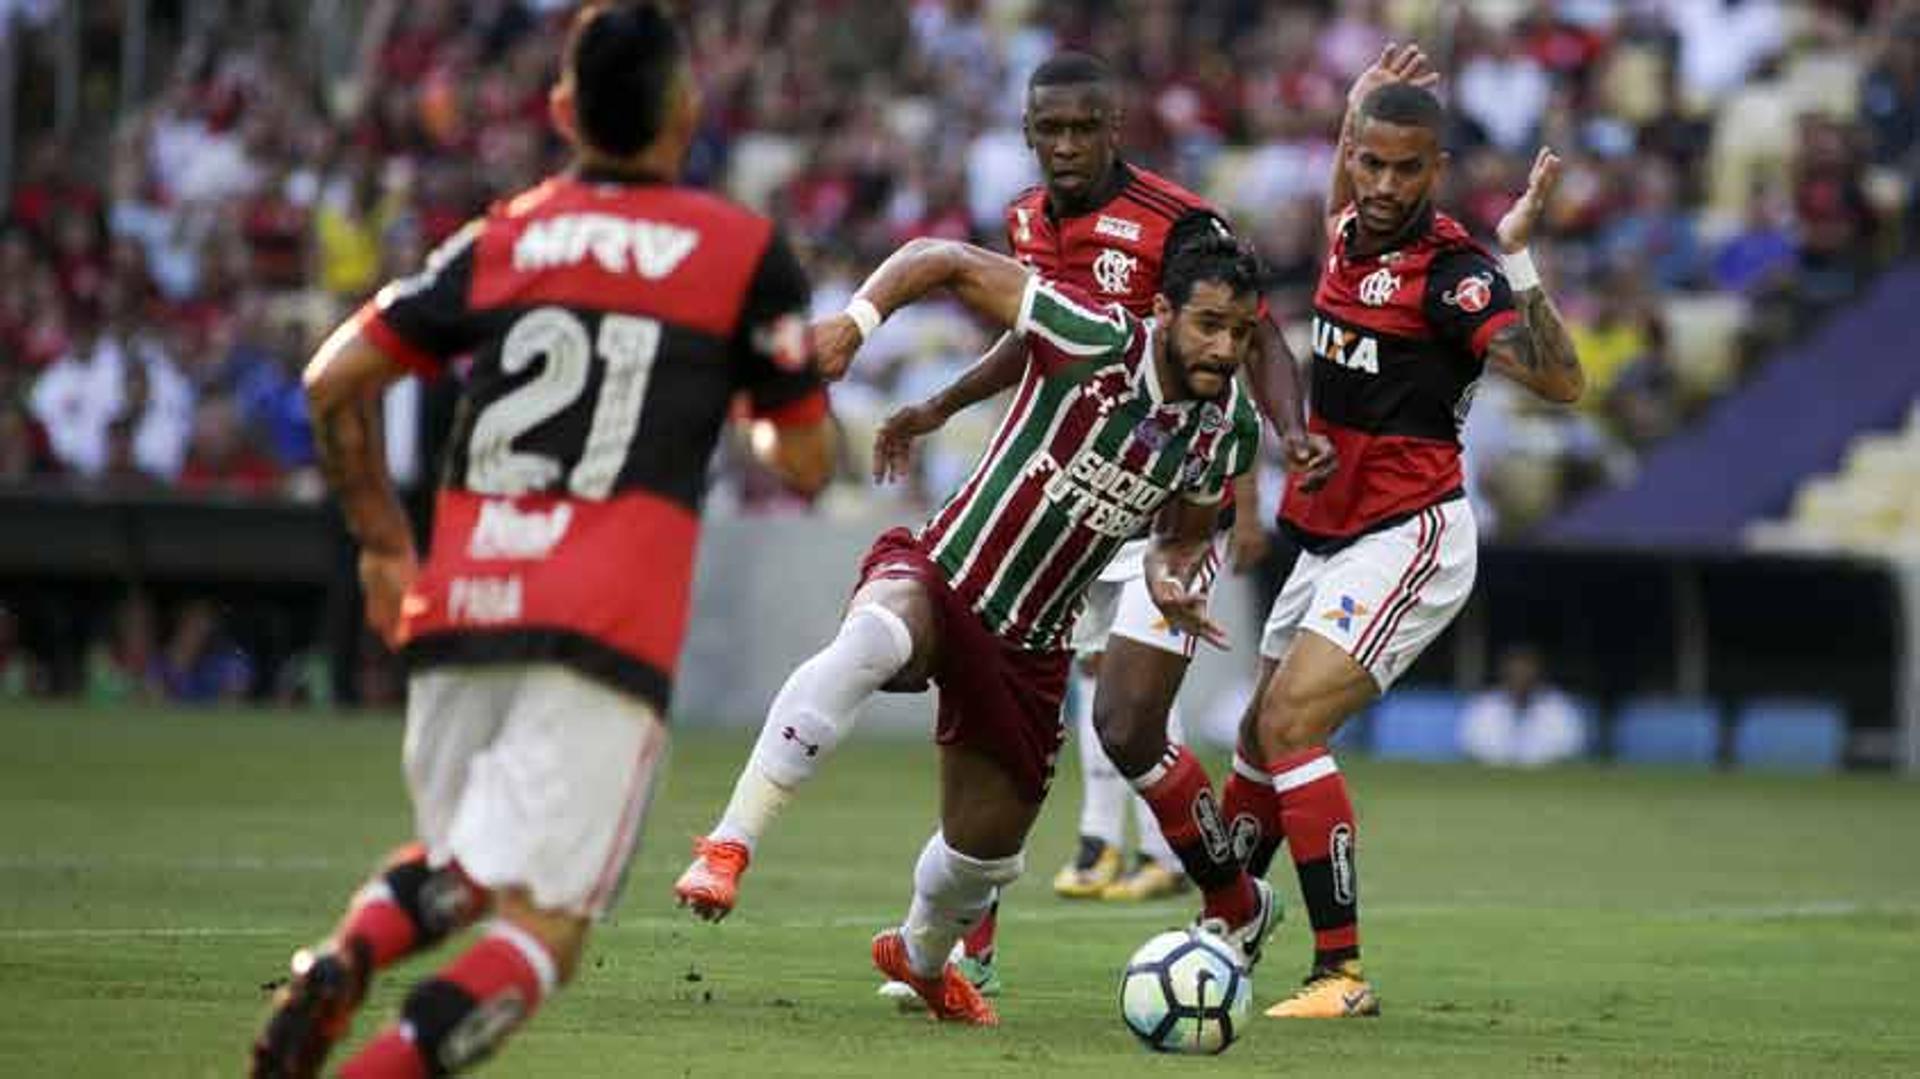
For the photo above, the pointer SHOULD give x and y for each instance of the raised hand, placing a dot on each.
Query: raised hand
(1515, 230)
(1397, 63)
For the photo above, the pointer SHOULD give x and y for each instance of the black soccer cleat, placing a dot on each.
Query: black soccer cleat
(311, 1012)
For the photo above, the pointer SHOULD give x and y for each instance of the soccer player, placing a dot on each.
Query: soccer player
(1106, 227)
(1408, 314)
(612, 317)
(1115, 419)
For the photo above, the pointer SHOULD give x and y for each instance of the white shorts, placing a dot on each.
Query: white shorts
(1118, 605)
(1385, 597)
(531, 775)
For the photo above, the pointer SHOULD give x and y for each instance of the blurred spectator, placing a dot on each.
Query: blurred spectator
(1835, 217)
(1761, 253)
(1644, 402)
(1890, 100)
(1655, 236)
(1523, 721)
(200, 663)
(220, 459)
(24, 451)
(20, 675)
(121, 666)
(1503, 92)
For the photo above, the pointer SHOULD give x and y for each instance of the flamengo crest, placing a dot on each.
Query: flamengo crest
(1378, 287)
(1113, 271)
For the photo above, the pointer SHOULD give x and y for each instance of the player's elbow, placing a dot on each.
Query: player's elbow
(1567, 389)
(345, 367)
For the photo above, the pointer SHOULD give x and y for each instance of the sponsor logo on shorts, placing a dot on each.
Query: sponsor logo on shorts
(1340, 850)
(1344, 614)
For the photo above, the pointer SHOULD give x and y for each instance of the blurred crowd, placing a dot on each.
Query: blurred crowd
(1737, 168)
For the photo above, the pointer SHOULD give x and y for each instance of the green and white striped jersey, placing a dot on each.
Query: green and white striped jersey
(1088, 453)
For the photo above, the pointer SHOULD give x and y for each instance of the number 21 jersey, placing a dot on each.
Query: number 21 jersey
(611, 326)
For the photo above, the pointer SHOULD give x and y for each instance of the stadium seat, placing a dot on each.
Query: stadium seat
(1790, 735)
(1418, 725)
(1667, 730)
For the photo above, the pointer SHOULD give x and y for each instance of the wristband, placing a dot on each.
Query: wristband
(1521, 274)
(864, 315)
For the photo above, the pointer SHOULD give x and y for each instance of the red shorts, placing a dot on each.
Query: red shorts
(995, 697)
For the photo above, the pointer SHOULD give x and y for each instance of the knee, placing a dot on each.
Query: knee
(563, 936)
(1289, 719)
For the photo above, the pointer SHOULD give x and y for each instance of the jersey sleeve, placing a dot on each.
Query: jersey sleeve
(1063, 326)
(1468, 300)
(773, 352)
(425, 320)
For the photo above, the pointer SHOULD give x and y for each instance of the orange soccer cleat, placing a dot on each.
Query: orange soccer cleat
(1340, 992)
(950, 998)
(712, 882)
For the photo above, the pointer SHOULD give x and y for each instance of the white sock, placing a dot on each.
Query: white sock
(1103, 800)
(951, 892)
(1153, 843)
(813, 711)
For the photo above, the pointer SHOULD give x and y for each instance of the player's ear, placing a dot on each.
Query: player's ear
(1162, 309)
(560, 110)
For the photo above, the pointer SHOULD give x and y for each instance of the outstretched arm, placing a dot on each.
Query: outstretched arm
(993, 372)
(989, 285)
(1397, 63)
(1273, 378)
(1536, 351)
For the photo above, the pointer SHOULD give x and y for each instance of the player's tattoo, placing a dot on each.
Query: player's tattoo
(350, 443)
(1537, 350)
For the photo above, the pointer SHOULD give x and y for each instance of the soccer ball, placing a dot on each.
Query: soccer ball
(1184, 991)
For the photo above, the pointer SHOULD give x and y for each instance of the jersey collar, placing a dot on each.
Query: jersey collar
(1418, 230)
(1122, 179)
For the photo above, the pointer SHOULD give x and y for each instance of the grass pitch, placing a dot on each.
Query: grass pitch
(156, 868)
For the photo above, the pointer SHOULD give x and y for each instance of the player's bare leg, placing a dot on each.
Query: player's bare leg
(1157, 871)
(462, 1015)
(1313, 690)
(984, 821)
(1103, 797)
(407, 907)
(1137, 689)
(888, 640)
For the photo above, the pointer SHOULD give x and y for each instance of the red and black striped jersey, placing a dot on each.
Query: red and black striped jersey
(1115, 251)
(1398, 343)
(611, 325)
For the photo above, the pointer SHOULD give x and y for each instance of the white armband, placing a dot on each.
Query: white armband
(1521, 274)
(864, 315)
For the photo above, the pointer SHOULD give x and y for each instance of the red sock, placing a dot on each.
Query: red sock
(1317, 816)
(387, 914)
(1251, 808)
(978, 943)
(507, 973)
(1181, 796)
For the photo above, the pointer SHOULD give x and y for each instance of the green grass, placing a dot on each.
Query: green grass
(156, 868)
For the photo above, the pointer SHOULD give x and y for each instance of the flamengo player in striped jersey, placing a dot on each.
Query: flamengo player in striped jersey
(612, 317)
(1408, 314)
(1115, 420)
(1106, 227)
